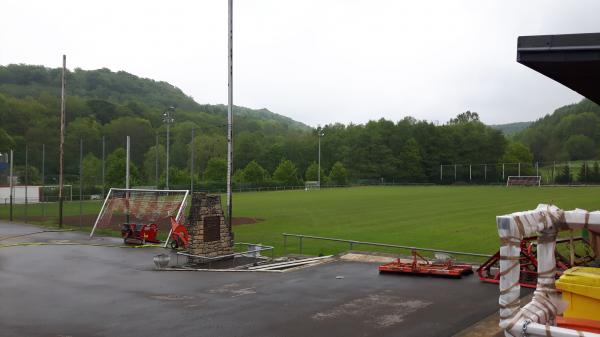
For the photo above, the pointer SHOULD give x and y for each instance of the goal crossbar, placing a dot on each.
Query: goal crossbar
(109, 198)
(524, 181)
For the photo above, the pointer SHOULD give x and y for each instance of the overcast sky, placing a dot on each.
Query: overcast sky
(317, 61)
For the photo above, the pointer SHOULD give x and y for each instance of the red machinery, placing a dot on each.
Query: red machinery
(489, 270)
(139, 233)
(421, 265)
(179, 235)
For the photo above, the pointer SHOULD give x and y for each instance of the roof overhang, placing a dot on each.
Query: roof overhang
(570, 59)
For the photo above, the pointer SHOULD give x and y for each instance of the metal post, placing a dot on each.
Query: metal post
(519, 170)
(103, 164)
(192, 163)
(454, 172)
(230, 114)
(284, 244)
(537, 168)
(485, 172)
(43, 179)
(553, 170)
(300, 243)
(156, 162)
(26, 179)
(319, 134)
(441, 172)
(80, 182)
(62, 142)
(11, 184)
(127, 164)
(503, 177)
(168, 141)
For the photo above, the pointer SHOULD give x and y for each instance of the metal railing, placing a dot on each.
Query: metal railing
(257, 249)
(352, 243)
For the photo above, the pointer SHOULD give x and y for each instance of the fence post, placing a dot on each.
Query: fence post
(284, 244)
(300, 245)
(503, 177)
(26, 179)
(553, 171)
(80, 182)
(537, 168)
(485, 172)
(11, 186)
(470, 176)
(519, 170)
(43, 179)
(441, 172)
(103, 165)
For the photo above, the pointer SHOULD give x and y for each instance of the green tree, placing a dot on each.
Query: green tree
(311, 172)
(584, 171)
(138, 129)
(286, 173)
(91, 168)
(115, 170)
(580, 147)
(594, 175)
(254, 174)
(410, 162)
(517, 153)
(216, 170)
(150, 163)
(178, 178)
(6, 141)
(338, 174)
(564, 177)
(33, 174)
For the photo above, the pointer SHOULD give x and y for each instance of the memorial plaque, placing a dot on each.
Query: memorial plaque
(212, 228)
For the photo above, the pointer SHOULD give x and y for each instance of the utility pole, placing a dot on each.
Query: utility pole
(103, 165)
(230, 113)
(26, 179)
(80, 182)
(127, 164)
(156, 162)
(43, 179)
(62, 142)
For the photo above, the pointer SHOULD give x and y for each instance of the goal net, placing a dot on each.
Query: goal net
(311, 185)
(523, 181)
(141, 206)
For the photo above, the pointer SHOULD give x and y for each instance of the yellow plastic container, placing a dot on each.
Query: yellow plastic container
(580, 287)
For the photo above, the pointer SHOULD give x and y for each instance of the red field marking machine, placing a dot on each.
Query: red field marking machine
(139, 233)
(442, 266)
(489, 270)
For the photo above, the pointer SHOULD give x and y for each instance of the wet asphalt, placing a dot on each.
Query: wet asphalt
(101, 291)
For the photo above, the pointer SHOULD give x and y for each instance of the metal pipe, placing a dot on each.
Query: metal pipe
(26, 180)
(230, 114)
(62, 142)
(12, 187)
(43, 178)
(80, 182)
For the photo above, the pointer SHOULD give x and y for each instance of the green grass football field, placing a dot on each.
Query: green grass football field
(460, 218)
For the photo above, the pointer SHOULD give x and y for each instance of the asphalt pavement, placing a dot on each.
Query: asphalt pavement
(79, 290)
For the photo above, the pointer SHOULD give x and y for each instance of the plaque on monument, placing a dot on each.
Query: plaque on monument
(212, 228)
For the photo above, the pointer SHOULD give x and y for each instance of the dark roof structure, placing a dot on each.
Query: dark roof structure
(570, 59)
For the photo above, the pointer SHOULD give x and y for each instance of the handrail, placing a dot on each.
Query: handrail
(377, 244)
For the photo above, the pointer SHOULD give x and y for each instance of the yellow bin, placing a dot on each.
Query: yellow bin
(580, 287)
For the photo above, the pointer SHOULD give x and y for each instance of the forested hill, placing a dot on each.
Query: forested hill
(572, 132)
(268, 148)
(510, 129)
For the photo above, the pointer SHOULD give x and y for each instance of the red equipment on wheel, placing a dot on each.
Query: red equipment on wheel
(489, 271)
(139, 234)
(445, 268)
(179, 235)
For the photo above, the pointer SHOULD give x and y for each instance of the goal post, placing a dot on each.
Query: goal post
(311, 185)
(144, 206)
(524, 181)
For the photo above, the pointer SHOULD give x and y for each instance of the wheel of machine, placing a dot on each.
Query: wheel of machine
(174, 243)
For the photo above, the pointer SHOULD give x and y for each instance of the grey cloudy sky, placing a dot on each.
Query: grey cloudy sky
(317, 61)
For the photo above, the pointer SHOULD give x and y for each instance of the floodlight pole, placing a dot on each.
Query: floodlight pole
(11, 185)
(103, 165)
(168, 119)
(43, 178)
(80, 182)
(26, 179)
(127, 164)
(62, 142)
(229, 112)
(156, 162)
(319, 134)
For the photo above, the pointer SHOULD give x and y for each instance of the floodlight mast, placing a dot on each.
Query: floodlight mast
(320, 134)
(168, 119)
(230, 113)
(62, 142)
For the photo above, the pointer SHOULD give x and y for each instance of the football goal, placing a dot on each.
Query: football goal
(140, 206)
(311, 185)
(524, 181)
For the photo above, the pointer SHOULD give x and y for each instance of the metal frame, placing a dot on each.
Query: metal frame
(234, 255)
(179, 211)
(539, 182)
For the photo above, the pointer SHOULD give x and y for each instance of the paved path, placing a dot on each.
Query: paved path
(99, 291)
